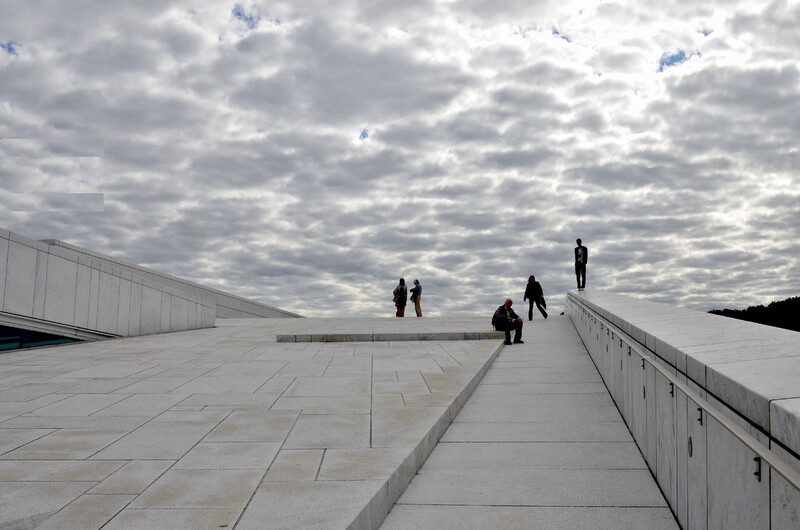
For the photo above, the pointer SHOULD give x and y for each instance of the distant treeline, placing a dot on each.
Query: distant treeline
(784, 314)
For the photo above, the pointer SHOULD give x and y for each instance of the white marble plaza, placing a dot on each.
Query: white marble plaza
(52, 288)
(226, 427)
(539, 444)
(712, 403)
(323, 423)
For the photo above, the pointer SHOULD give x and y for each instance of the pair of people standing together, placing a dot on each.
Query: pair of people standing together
(401, 296)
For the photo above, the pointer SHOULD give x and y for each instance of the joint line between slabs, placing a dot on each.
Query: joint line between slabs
(565, 506)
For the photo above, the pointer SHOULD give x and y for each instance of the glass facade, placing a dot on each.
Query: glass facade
(14, 339)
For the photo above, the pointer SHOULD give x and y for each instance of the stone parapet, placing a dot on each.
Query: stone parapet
(227, 305)
(393, 337)
(712, 402)
(50, 289)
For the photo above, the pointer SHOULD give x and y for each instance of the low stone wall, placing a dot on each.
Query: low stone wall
(55, 290)
(713, 404)
(227, 305)
(393, 337)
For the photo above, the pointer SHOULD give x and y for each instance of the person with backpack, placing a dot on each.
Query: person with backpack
(400, 298)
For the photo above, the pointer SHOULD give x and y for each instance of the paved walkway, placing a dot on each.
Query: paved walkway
(229, 428)
(226, 427)
(539, 444)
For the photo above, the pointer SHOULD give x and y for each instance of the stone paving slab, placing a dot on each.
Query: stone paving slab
(522, 454)
(535, 487)
(226, 427)
(414, 517)
(501, 455)
(392, 337)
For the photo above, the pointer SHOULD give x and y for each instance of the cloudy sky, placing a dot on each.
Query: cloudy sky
(309, 153)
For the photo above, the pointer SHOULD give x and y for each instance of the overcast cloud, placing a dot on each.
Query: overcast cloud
(309, 153)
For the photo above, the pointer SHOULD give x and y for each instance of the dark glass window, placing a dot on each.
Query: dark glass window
(14, 339)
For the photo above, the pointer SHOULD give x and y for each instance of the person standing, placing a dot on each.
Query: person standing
(534, 293)
(400, 298)
(581, 257)
(505, 319)
(416, 297)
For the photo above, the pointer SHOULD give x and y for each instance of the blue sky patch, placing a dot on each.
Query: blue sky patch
(669, 59)
(364, 134)
(10, 47)
(560, 35)
(249, 20)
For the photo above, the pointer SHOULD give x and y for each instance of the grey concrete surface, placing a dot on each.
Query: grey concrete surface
(227, 305)
(746, 365)
(539, 444)
(711, 401)
(226, 427)
(55, 289)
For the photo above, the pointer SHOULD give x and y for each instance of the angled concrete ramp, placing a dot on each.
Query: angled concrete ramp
(226, 427)
(540, 444)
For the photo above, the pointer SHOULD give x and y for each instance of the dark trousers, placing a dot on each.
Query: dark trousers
(541, 305)
(580, 274)
(505, 325)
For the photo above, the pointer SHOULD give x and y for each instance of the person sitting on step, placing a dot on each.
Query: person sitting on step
(505, 319)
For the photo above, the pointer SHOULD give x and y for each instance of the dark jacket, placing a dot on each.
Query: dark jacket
(416, 292)
(533, 291)
(501, 315)
(585, 254)
(401, 295)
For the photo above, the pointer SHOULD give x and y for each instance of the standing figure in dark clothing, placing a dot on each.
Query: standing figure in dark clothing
(581, 257)
(416, 297)
(400, 298)
(534, 293)
(505, 319)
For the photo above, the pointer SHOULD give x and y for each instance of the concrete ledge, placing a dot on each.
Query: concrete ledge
(711, 401)
(393, 337)
(745, 365)
(298, 435)
(53, 286)
(378, 507)
(226, 305)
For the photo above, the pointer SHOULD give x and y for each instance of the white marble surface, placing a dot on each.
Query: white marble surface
(747, 372)
(525, 456)
(229, 306)
(784, 425)
(61, 287)
(62, 281)
(3, 264)
(666, 439)
(20, 279)
(736, 498)
(172, 428)
(748, 387)
(745, 365)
